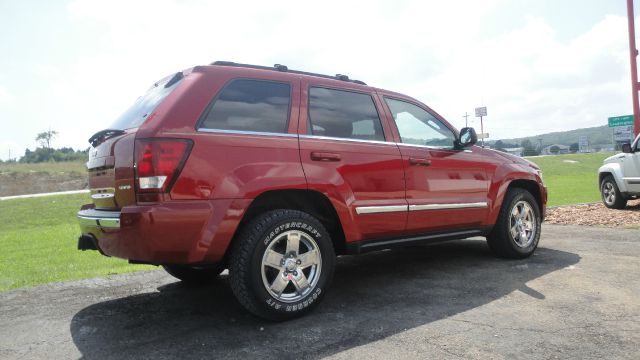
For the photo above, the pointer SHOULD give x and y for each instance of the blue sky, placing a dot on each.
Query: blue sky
(539, 66)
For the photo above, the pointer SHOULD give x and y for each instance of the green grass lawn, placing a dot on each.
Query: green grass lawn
(38, 239)
(38, 236)
(48, 167)
(571, 179)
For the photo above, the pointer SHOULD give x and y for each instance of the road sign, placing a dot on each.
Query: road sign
(481, 111)
(623, 134)
(620, 120)
(483, 136)
(583, 144)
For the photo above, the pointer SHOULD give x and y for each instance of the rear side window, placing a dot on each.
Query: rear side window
(250, 105)
(343, 114)
(144, 106)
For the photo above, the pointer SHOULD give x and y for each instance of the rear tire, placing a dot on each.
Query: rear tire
(193, 275)
(611, 195)
(517, 232)
(281, 264)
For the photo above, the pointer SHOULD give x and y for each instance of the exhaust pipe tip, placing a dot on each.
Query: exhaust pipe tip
(87, 242)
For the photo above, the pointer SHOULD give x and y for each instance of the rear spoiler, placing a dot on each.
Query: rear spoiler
(97, 138)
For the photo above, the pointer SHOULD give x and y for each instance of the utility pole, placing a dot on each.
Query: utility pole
(633, 54)
(466, 119)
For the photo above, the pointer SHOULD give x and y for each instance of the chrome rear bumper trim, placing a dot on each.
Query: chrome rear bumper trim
(106, 222)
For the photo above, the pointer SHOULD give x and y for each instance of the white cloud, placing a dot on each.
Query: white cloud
(5, 96)
(531, 81)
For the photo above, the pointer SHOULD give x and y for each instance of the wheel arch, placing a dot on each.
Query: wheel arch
(613, 170)
(312, 202)
(532, 186)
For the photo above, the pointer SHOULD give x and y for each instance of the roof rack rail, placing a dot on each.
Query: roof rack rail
(284, 68)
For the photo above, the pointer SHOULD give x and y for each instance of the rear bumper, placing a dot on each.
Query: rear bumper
(157, 234)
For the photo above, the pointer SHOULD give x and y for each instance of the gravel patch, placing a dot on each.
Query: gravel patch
(595, 214)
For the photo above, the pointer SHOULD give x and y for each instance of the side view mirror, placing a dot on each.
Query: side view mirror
(467, 137)
(626, 148)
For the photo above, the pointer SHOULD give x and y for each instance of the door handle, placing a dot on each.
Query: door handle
(325, 156)
(419, 161)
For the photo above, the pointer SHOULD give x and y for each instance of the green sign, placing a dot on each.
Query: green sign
(621, 121)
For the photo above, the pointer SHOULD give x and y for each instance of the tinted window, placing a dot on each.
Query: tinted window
(343, 114)
(250, 105)
(417, 126)
(145, 104)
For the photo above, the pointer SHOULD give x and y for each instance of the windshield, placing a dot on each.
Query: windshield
(144, 105)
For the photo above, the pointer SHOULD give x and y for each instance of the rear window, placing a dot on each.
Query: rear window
(144, 106)
(250, 105)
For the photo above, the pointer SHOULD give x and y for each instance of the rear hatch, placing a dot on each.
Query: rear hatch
(111, 158)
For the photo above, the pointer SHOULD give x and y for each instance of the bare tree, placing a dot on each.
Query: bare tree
(45, 138)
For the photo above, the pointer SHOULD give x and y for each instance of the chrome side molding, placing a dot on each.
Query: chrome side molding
(398, 208)
(447, 206)
(380, 209)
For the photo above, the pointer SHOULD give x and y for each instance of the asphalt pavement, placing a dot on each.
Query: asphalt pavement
(577, 297)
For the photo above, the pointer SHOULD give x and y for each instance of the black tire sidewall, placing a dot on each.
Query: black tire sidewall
(618, 203)
(522, 195)
(262, 298)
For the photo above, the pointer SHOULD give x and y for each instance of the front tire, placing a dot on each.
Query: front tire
(517, 232)
(281, 264)
(611, 195)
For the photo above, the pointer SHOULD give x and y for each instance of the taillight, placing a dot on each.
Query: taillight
(159, 162)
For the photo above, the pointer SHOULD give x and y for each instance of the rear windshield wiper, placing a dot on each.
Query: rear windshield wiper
(103, 134)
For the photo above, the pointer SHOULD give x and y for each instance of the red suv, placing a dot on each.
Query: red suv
(271, 173)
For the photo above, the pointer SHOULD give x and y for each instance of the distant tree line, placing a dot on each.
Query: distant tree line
(41, 154)
(46, 153)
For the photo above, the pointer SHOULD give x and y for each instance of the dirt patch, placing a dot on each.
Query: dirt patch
(34, 182)
(595, 215)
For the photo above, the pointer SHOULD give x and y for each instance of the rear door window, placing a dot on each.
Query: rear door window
(343, 114)
(250, 105)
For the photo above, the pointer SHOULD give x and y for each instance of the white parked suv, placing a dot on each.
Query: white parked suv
(619, 177)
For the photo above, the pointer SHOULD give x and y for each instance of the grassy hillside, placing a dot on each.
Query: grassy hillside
(599, 135)
(45, 167)
(41, 249)
(571, 179)
(19, 179)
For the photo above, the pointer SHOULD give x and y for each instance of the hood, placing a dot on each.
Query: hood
(515, 159)
(613, 159)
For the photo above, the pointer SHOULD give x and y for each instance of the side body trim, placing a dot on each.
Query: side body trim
(396, 208)
(380, 209)
(447, 206)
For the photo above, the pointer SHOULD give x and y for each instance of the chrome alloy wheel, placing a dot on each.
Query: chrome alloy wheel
(608, 193)
(291, 266)
(522, 224)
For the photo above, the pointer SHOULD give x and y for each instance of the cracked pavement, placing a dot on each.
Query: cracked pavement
(577, 297)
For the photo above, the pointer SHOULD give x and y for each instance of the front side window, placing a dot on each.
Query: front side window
(419, 127)
(250, 105)
(343, 114)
